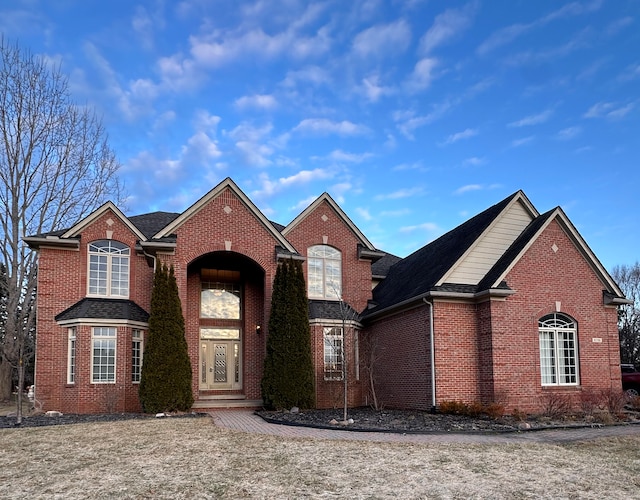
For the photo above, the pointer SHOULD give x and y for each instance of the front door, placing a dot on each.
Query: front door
(220, 359)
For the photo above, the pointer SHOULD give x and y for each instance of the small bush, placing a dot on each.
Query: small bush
(590, 403)
(494, 410)
(555, 405)
(453, 407)
(613, 400)
(634, 402)
(520, 416)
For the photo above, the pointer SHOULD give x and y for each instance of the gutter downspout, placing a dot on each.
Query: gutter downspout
(432, 353)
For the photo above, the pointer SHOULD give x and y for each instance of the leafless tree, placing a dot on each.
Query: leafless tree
(55, 168)
(628, 278)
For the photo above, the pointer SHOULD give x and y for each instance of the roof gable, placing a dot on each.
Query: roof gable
(498, 236)
(77, 228)
(325, 197)
(417, 274)
(214, 193)
(529, 236)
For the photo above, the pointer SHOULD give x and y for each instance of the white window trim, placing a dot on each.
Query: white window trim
(328, 293)
(109, 271)
(114, 338)
(566, 325)
(330, 374)
(137, 336)
(72, 334)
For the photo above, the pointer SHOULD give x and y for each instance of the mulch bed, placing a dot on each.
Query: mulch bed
(72, 418)
(406, 421)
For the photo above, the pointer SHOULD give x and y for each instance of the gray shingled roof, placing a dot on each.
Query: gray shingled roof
(97, 308)
(330, 309)
(418, 273)
(150, 224)
(381, 266)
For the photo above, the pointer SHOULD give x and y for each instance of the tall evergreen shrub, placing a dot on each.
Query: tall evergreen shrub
(288, 367)
(165, 381)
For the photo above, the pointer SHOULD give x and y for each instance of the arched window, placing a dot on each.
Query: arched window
(324, 266)
(109, 268)
(558, 350)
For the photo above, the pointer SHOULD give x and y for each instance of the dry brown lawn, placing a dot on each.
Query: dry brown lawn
(192, 458)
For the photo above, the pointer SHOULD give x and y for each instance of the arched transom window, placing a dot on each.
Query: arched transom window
(324, 266)
(558, 350)
(108, 268)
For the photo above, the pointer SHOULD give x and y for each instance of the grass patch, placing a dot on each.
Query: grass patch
(187, 458)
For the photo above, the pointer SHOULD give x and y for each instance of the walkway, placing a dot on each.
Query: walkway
(246, 421)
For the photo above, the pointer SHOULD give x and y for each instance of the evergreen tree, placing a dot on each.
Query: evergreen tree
(288, 368)
(165, 381)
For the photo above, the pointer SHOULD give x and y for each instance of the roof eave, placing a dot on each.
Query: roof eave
(35, 242)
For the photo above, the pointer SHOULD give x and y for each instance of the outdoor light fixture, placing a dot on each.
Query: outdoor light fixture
(258, 329)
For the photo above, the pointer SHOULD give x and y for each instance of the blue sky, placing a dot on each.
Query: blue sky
(414, 115)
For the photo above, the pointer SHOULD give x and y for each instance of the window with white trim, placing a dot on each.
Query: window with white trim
(324, 272)
(333, 353)
(137, 347)
(109, 268)
(558, 350)
(103, 347)
(71, 355)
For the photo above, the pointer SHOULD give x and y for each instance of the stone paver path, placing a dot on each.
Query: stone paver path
(246, 421)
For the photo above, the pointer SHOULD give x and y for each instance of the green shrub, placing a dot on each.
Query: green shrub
(165, 381)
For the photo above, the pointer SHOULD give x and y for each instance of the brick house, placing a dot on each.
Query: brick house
(511, 306)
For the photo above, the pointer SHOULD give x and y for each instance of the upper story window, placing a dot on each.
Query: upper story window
(558, 350)
(109, 268)
(324, 266)
(220, 300)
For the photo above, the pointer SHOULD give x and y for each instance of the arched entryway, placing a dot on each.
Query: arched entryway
(226, 313)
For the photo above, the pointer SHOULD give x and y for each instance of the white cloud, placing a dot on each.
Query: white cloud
(474, 161)
(608, 110)
(522, 141)
(341, 156)
(465, 134)
(447, 26)
(422, 74)
(364, 213)
(311, 74)
(373, 90)
(324, 126)
(631, 72)
(383, 39)
(532, 119)
(568, 133)
(618, 25)
(468, 188)
(505, 36)
(256, 101)
(270, 188)
(431, 227)
(401, 193)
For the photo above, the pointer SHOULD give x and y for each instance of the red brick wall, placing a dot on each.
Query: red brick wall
(62, 281)
(541, 278)
(401, 359)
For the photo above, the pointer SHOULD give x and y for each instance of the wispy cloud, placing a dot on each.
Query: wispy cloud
(568, 133)
(431, 227)
(468, 188)
(448, 25)
(401, 193)
(422, 75)
(257, 101)
(631, 72)
(536, 119)
(373, 90)
(474, 161)
(608, 110)
(342, 156)
(505, 36)
(364, 213)
(269, 188)
(324, 126)
(465, 134)
(516, 143)
(383, 39)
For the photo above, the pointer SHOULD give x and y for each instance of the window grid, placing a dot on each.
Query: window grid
(558, 350)
(324, 272)
(333, 353)
(136, 355)
(71, 356)
(108, 268)
(103, 366)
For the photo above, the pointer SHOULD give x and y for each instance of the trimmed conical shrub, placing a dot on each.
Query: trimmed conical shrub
(288, 370)
(165, 382)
